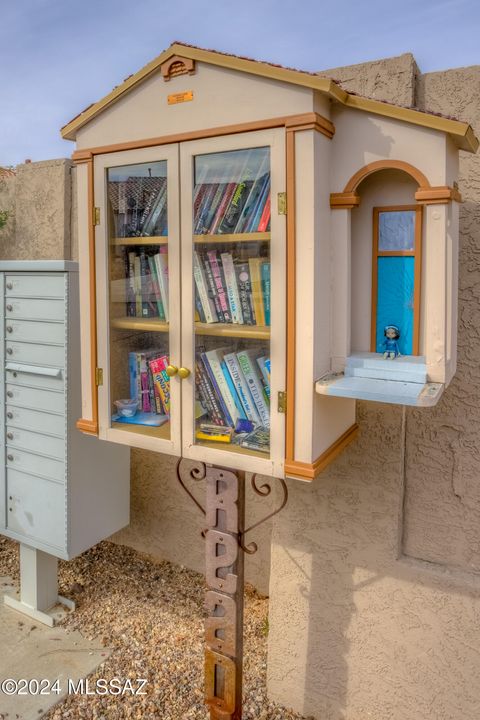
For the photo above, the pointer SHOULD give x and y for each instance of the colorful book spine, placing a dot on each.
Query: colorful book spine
(227, 196)
(246, 359)
(242, 272)
(144, 384)
(257, 296)
(233, 391)
(130, 284)
(254, 195)
(156, 288)
(138, 287)
(266, 291)
(241, 386)
(213, 207)
(216, 375)
(213, 406)
(212, 288)
(261, 362)
(265, 218)
(132, 372)
(219, 286)
(257, 210)
(199, 307)
(161, 266)
(208, 305)
(204, 210)
(232, 288)
(161, 380)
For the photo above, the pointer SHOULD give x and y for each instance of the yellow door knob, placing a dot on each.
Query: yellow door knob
(172, 370)
(183, 372)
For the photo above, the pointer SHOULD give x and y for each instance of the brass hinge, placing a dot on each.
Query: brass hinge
(282, 203)
(96, 216)
(98, 376)
(282, 402)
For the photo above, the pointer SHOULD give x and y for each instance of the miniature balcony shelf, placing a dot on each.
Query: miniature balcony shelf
(233, 238)
(368, 376)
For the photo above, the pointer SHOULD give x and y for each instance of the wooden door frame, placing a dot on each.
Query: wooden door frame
(416, 254)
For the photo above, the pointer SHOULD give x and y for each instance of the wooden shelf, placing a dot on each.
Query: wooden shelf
(140, 324)
(162, 432)
(232, 448)
(234, 238)
(150, 240)
(255, 332)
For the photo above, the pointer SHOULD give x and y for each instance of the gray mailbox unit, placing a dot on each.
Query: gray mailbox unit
(60, 491)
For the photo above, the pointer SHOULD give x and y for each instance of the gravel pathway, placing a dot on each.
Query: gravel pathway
(151, 615)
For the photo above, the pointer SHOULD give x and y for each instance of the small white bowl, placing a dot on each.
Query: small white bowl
(127, 408)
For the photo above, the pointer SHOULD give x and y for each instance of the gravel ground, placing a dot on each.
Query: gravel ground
(151, 615)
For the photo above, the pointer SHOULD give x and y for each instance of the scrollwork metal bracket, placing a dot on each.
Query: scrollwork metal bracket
(198, 471)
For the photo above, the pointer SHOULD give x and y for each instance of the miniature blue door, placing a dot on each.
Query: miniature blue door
(396, 276)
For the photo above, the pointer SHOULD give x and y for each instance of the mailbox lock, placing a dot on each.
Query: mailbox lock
(9, 351)
(9, 308)
(10, 436)
(10, 415)
(9, 328)
(9, 286)
(10, 457)
(9, 393)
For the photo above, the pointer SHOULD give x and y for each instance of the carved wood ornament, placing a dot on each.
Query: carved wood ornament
(177, 65)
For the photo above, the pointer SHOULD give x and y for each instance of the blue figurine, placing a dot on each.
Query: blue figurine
(392, 333)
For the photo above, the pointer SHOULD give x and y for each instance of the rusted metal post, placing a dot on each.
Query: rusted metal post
(225, 516)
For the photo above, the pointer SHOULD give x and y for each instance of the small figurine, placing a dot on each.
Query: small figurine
(392, 333)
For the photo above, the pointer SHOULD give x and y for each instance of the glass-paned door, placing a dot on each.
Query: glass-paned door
(234, 294)
(140, 226)
(396, 280)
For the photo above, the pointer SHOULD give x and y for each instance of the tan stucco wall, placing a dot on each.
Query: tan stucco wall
(375, 591)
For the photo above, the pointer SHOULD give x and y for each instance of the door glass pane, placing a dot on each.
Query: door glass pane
(231, 268)
(139, 302)
(396, 230)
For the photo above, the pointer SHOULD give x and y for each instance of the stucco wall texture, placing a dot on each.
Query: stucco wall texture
(375, 567)
(375, 591)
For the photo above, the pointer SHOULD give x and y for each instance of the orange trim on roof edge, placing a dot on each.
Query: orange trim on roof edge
(462, 133)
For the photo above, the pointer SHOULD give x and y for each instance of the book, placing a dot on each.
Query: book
(161, 266)
(132, 372)
(265, 217)
(239, 198)
(130, 283)
(138, 287)
(247, 362)
(155, 286)
(242, 273)
(204, 209)
(212, 361)
(216, 393)
(258, 209)
(207, 391)
(232, 288)
(265, 275)
(145, 390)
(161, 380)
(207, 303)
(254, 265)
(219, 286)
(151, 220)
(265, 375)
(242, 389)
(149, 299)
(258, 439)
(212, 288)
(254, 195)
(233, 392)
(227, 196)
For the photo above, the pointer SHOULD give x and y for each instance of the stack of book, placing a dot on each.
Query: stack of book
(240, 206)
(147, 282)
(139, 206)
(234, 392)
(231, 290)
(149, 382)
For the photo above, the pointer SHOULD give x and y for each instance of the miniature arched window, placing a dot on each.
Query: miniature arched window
(396, 275)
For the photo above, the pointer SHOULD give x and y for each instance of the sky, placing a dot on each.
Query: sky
(58, 56)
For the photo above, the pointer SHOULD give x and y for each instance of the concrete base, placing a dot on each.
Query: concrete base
(48, 617)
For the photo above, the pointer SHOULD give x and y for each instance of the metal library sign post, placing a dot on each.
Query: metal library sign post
(224, 549)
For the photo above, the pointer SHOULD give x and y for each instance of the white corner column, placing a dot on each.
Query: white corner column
(341, 284)
(39, 587)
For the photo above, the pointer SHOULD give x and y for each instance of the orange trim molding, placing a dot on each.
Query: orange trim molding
(90, 427)
(291, 296)
(344, 201)
(439, 195)
(367, 170)
(291, 122)
(177, 65)
(309, 471)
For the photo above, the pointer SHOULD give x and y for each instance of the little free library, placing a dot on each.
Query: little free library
(259, 249)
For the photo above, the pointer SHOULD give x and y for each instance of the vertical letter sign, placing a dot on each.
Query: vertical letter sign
(224, 597)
